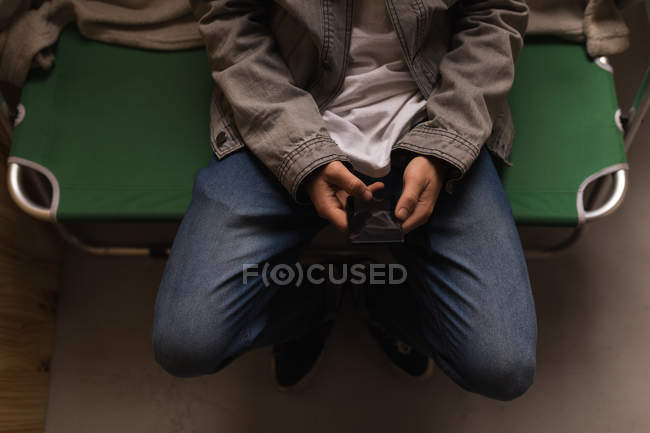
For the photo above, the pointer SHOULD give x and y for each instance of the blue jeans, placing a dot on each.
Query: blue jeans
(466, 303)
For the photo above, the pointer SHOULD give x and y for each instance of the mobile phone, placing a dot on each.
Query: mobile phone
(374, 221)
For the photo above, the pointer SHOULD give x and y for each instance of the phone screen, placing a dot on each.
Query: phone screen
(374, 221)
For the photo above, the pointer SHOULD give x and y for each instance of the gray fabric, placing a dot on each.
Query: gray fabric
(598, 23)
(167, 25)
(153, 24)
(9, 9)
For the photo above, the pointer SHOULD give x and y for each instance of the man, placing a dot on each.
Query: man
(325, 99)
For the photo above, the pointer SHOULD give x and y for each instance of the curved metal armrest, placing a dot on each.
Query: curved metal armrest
(22, 200)
(611, 204)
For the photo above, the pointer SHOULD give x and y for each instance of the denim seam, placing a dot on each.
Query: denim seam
(400, 33)
(446, 133)
(292, 155)
(419, 26)
(299, 176)
(471, 150)
(461, 165)
(225, 122)
(435, 75)
(290, 158)
(430, 129)
(326, 30)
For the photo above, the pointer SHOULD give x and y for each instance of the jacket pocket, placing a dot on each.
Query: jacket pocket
(224, 135)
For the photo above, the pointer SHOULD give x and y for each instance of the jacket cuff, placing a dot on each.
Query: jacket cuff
(304, 159)
(444, 144)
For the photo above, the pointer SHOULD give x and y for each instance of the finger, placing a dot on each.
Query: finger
(330, 208)
(342, 196)
(411, 192)
(340, 176)
(337, 217)
(420, 216)
(375, 187)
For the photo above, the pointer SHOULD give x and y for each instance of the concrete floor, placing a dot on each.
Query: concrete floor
(593, 373)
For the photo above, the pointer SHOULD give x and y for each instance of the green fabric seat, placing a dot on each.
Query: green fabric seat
(123, 131)
(563, 106)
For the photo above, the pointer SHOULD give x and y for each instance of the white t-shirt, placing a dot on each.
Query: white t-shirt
(379, 101)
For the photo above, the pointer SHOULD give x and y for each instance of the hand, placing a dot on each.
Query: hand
(423, 179)
(329, 188)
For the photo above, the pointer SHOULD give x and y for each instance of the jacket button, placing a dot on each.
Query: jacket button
(327, 65)
(221, 139)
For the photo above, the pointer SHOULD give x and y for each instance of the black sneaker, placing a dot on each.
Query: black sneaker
(293, 362)
(404, 356)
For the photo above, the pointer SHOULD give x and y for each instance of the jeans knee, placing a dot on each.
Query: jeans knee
(502, 375)
(184, 352)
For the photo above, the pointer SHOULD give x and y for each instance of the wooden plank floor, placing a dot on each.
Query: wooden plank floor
(30, 259)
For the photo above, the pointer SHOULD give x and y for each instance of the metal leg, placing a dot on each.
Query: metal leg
(25, 203)
(111, 251)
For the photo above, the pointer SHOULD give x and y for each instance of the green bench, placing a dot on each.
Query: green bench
(119, 134)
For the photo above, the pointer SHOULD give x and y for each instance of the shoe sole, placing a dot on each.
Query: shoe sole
(400, 372)
(302, 383)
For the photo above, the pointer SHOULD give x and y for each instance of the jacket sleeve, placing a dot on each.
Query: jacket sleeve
(475, 76)
(278, 121)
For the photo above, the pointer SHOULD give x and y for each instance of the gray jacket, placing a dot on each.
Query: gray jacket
(278, 63)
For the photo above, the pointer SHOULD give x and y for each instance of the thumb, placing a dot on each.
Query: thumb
(409, 197)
